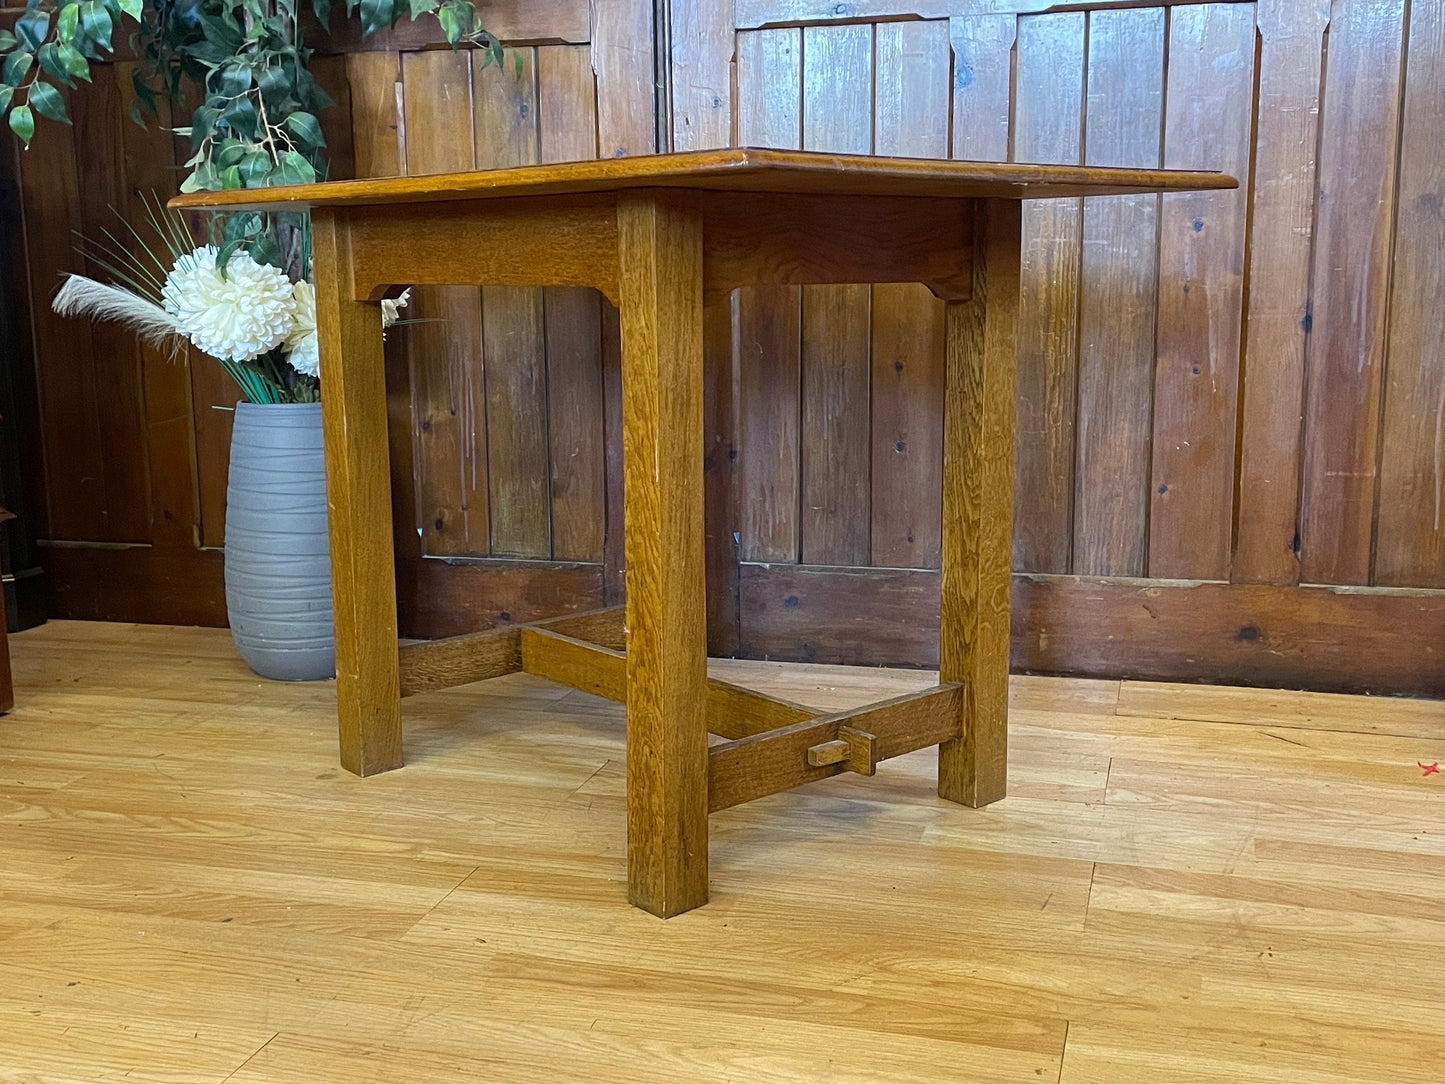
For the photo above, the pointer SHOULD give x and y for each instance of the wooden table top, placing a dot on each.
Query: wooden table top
(740, 169)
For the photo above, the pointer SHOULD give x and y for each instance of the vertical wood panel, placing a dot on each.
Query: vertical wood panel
(911, 120)
(449, 415)
(374, 82)
(837, 116)
(105, 193)
(1351, 275)
(768, 327)
(1049, 128)
(504, 110)
(51, 205)
(1116, 307)
(701, 58)
(568, 125)
(982, 86)
(374, 90)
(1201, 293)
(1410, 550)
(1276, 329)
(169, 450)
(332, 76)
(622, 57)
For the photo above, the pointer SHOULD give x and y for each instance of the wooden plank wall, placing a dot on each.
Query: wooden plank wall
(1229, 405)
(1240, 389)
(497, 395)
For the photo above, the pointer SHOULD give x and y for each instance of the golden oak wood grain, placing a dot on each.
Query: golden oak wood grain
(358, 497)
(978, 433)
(459, 660)
(660, 266)
(739, 169)
(789, 238)
(565, 651)
(567, 660)
(762, 764)
(1225, 889)
(563, 242)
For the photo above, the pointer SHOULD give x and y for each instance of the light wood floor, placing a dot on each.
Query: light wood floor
(1185, 884)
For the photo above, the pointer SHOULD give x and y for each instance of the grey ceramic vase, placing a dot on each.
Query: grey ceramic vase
(278, 560)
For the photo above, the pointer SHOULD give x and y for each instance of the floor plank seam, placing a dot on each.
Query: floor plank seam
(600, 768)
(1063, 1053)
(250, 1057)
(433, 908)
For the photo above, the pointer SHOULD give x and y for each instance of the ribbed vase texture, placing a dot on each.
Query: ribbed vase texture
(278, 559)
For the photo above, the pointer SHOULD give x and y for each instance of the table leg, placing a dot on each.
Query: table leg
(660, 270)
(978, 459)
(358, 497)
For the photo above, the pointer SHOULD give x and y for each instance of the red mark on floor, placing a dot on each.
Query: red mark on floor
(1429, 769)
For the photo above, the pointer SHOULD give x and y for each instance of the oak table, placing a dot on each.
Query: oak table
(662, 237)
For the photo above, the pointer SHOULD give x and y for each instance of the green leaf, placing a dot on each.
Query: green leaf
(134, 8)
(202, 180)
(22, 123)
(422, 7)
(7, 41)
(451, 24)
(7, 94)
(275, 83)
(322, 8)
(243, 225)
(294, 169)
(77, 66)
(231, 177)
(50, 63)
(48, 102)
(137, 113)
(203, 123)
(265, 250)
(254, 168)
(376, 15)
(235, 79)
(223, 257)
(229, 152)
(68, 23)
(32, 27)
(15, 67)
(306, 128)
(240, 117)
(96, 23)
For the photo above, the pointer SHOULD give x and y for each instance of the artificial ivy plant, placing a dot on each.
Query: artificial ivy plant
(257, 122)
(256, 126)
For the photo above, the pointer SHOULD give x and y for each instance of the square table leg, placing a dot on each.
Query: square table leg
(358, 498)
(660, 241)
(978, 459)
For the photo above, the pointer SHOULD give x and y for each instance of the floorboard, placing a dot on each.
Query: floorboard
(1184, 885)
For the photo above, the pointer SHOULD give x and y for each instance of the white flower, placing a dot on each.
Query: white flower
(389, 307)
(305, 349)
(240, 317)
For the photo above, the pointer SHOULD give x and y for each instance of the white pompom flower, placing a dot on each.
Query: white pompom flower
(242, 316)
(305, 349)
